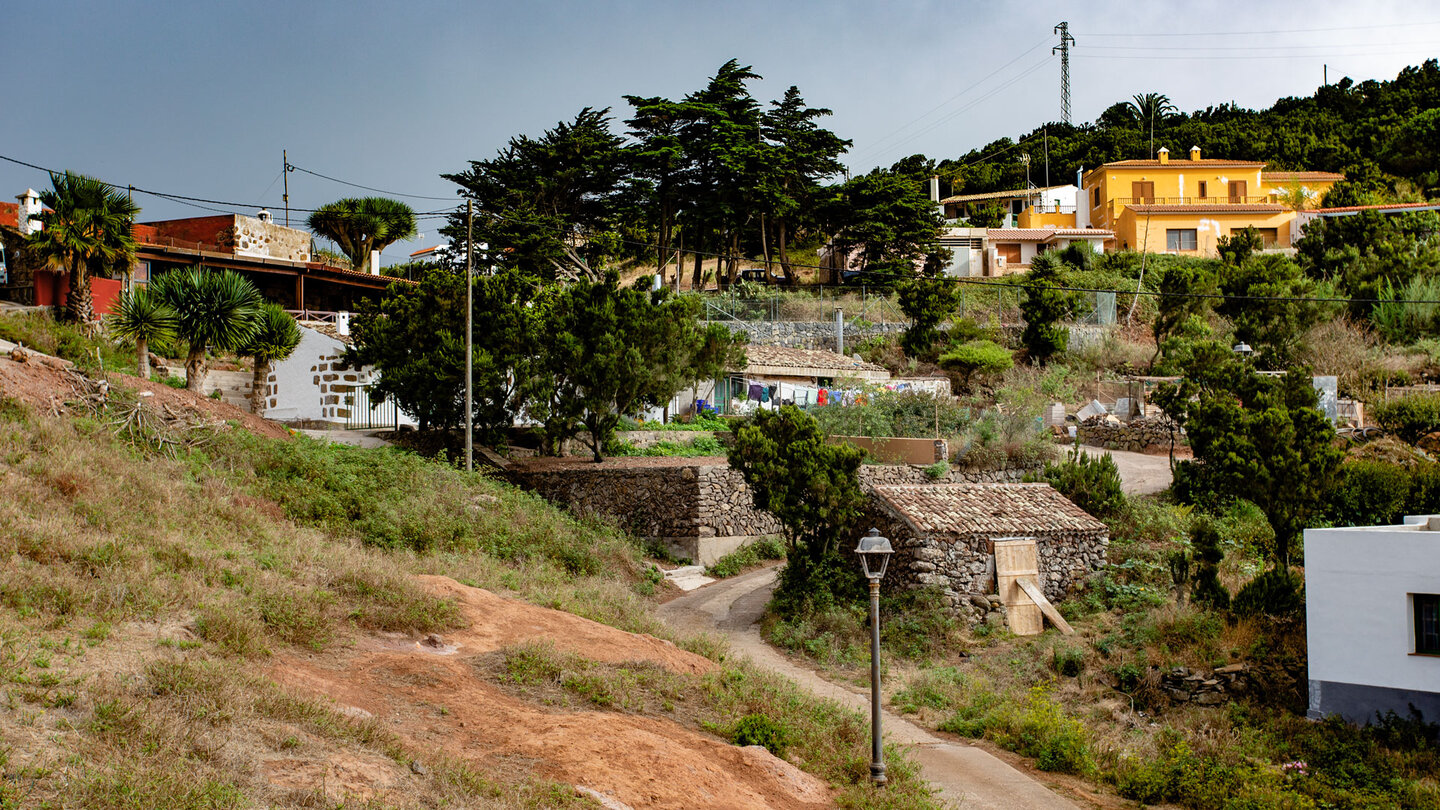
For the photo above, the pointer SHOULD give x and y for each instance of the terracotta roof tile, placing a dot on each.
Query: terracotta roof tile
(1042, 234)
(1283, 177)
(834, 365)
(1000, 195)
(1347, 209)
(1208, 163)
(1221, 208)
(990, 509)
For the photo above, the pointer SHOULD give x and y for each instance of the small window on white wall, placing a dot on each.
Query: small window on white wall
(1427, 623)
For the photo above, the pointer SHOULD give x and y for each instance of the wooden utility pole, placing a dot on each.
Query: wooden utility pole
(285, 159)
(469, 334)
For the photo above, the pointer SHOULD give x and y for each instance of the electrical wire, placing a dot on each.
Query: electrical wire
(293, 167)
(1234, 33)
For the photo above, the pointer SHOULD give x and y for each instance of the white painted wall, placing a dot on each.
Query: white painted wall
(298, 388)
(1359, 624)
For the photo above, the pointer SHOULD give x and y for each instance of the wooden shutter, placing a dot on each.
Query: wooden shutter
(1237, 191)
(1200, 197)
(1143, 191)
(1011, 253)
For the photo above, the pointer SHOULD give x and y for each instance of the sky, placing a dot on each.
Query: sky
(199, 99)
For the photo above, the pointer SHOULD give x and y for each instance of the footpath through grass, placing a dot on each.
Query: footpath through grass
(143, 594)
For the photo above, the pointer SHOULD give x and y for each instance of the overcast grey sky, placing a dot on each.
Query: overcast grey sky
(199, 98)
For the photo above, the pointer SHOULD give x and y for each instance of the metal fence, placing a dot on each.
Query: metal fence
(365, 415)
(863, 305)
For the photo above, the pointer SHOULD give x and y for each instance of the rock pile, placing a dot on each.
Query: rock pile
(1185, 685)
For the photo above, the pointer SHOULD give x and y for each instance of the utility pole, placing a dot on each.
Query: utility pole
(1046, 130)
(469, 334)
(285, 158)
(1063, 29)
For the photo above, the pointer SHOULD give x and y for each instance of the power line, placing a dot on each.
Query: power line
(368, 188)
(1234, 33)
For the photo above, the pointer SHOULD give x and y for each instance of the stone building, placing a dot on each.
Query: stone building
(944, 535)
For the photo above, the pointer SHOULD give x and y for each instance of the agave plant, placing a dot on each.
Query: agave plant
(214, 309)
(275, 339)
(142, 317)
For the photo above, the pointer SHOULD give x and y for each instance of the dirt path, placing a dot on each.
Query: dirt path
(1140, 473)
(965, 775)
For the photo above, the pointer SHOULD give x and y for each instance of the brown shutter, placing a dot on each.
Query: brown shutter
(1237, 191)
(1143, 191)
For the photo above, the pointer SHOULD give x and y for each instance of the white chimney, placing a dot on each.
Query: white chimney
(342, 323)
(935, 189)
(29, 213)
(374, 262)
(264, 215)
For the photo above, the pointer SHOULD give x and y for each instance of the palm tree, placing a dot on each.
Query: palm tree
(1148, 107)
(142, 317)
(275, 339)
(214, 309)
(361, 225)
(86, 230)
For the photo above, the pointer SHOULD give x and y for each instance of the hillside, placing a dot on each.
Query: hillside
(1378, 133)
(195, 616)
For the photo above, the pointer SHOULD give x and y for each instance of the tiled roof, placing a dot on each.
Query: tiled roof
(1222, 208)
(809, 362)
(1350, 209)
(1290, 177)
(10, 214)
(1204, 163)
(994, 510)
(329, 330)
(1000, 195)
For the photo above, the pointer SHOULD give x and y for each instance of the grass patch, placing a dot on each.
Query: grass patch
(747, 557)
(39, 331)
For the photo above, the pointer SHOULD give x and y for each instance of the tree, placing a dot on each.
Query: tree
(1272, 304)
(275, 338)
(1208, 592)
(1181, 288)
(927, 302)
(813, 489)
(415, 336)
(214, 310)
(977, 357)
(612, 351)
(1255, 437)
(362, 225)
(1149, 106)
(87, 230)
(890, 221)
(1044, 306)
(802, 155)
(142, 317)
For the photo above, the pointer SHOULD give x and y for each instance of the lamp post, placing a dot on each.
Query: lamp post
(1242, 349)
(874, 552)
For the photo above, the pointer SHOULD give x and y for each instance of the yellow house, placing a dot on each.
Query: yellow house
(1185, 206)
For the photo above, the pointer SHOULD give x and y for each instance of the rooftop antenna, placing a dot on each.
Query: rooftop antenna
(1063, 29)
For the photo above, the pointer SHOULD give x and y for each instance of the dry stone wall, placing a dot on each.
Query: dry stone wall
(809, 334)
(1137, 435)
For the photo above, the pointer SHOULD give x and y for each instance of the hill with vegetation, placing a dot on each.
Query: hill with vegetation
(1382, 134)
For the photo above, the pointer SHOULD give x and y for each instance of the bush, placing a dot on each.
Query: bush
(1409, 418)
(758, 729)
(1090, 482)
(1067, 661)
(748, 556)
(977, 357)
(1276, 593)
(1369, 493)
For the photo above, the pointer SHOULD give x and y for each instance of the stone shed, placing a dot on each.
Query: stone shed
(944, 534)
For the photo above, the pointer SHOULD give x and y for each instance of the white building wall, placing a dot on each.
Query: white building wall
(1359, 626)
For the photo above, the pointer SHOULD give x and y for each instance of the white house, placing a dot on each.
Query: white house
(311, 387)
(1372, 604)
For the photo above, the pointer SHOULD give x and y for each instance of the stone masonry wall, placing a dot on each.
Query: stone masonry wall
(1137, 435)
(809, 334)
(255, 237)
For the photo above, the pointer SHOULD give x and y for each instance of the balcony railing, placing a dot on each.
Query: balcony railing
(1226, 200)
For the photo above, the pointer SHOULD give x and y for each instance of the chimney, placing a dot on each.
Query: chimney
(374, 262)
(28, 216)
(1194, 153)
(264, 215)
(1164, 155)
(935, 189)
(342, 323)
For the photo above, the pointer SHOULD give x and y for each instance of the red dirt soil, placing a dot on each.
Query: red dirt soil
(44, 382)
(640, 761)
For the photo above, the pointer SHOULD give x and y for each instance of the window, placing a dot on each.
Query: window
(1269, 237)
(1203, 193)
(1095, 197)
(1427, 623)
(1010, 253)
(1238, 188)
(1181, 239)
(1143, 191)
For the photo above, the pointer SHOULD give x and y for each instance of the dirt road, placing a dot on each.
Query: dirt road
(966, 776)
(1140, 473)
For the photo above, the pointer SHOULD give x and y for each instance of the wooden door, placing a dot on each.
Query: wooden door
(1015, 559)
(1143, 191)
(1238, 189)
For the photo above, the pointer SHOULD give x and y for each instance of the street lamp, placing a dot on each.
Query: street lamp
(875, 552)
(1243, 349)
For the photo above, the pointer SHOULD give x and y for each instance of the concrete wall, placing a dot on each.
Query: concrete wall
(899, 450)
(1359, 622)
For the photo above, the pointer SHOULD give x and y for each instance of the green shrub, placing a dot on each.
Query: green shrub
(977, 357)
(938, 470)
(1369, 493)
(758, 729)
(1409, 418)
(1090, 482)
(1276, 593)
(747, 556)
(1067, 661)
(1042, 730)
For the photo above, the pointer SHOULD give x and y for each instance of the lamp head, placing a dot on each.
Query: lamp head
(874, 552)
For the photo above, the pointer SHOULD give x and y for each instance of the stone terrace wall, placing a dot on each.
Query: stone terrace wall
(873, 475)
(809, 334)
(1137, 435)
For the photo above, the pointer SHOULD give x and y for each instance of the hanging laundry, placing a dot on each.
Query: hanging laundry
(756, 392)
(823, 397)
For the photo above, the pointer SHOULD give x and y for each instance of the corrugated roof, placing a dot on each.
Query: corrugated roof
(1001, 195)
(780, 360)
(993, 510)
(1222, 208)
(1287, 177)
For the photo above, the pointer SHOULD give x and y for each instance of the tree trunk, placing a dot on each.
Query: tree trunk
(765, 247)
(142, 358)
(698, 279)
(258, 384)
(79, 307)
(195, 369)
(783, 249)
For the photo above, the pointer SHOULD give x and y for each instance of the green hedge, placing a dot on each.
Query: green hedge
(1409, 418)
